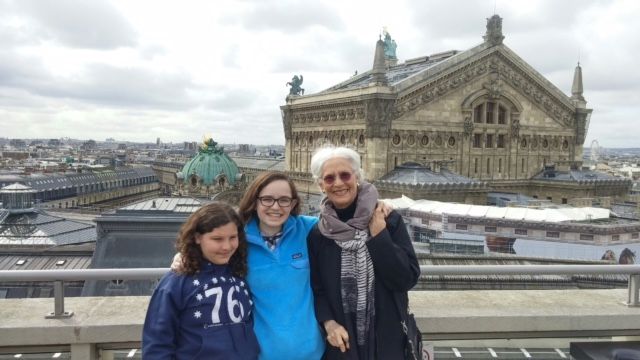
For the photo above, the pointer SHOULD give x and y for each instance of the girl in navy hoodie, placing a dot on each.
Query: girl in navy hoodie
(204, 311)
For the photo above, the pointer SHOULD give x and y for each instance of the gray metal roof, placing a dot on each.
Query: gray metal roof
(132, 249)
(43, 182)
(574, 175)
(44, 262)
(40, 229)
(164, 204)
(17, 187)
(629, 211)
(416, 174)
(395, 74)
(259, 163)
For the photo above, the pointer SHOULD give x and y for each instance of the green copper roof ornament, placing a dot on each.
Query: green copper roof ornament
(210, 146)
(389, 45)
(295, 83)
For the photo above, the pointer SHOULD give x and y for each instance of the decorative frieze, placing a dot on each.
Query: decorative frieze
(504, 70)
(320, 115)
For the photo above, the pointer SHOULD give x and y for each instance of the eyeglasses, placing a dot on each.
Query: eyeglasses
(268, 201)
(344, 176)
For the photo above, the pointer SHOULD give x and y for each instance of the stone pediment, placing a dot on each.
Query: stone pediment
(504, 66)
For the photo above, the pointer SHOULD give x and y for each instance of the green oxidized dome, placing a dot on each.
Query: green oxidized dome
(209, 163)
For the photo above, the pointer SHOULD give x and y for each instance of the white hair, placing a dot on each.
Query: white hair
(329, 152)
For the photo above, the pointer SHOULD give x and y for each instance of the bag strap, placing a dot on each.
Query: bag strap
(403, 321)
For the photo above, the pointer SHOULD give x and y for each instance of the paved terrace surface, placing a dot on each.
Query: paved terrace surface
(440, 315)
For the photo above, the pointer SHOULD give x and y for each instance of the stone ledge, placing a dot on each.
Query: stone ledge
(440, 315)
(524, 313)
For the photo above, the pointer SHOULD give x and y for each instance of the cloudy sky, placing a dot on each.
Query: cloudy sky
(138, 70)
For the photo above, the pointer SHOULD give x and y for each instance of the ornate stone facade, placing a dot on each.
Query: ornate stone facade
(485, 109)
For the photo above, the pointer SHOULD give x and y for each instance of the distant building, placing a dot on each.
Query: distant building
(245, 149)
(15, 155)
(18, 143)
(54, 142)
(190, 145)
(210, 173)
(584, 233)
(89, 145)
(31, 239)
(72, 190)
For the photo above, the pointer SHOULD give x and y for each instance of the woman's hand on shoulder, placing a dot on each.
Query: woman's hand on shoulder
(337, 335)
(377, 222)
(176, 264)
(386, 208)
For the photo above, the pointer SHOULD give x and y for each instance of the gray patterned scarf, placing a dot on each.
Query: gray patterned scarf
(356, 275)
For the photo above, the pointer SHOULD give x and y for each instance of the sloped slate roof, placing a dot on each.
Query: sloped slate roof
(416, 174)
(163, 204)
(575, 175)
(17, 187)
(260, 163)
(54, 261)
(394, 74)
(41, 229)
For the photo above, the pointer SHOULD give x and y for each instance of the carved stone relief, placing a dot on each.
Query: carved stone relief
(468, 126)
(377, 116)
(504, 71)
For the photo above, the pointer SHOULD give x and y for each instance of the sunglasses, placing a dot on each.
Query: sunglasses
(344, 176)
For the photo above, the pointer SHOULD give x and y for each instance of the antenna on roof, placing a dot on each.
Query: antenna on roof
(494, 6)
(578, 56)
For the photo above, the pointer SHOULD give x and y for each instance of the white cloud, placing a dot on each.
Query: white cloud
(137, 70)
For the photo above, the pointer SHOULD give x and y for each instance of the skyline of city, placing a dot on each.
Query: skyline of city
(133, 78)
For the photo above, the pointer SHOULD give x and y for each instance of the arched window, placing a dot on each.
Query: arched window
(490, 112)
(502, 115)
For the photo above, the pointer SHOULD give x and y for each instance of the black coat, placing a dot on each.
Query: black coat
(396, 272)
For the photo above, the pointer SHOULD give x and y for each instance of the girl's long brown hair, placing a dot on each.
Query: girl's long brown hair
(202, 221)
(248, 203)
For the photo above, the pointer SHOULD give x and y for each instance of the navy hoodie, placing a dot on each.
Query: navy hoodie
(203, 316)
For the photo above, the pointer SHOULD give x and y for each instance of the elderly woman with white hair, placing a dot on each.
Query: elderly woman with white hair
(362, 263)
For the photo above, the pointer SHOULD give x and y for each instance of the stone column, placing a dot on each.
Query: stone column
(377, 114)
(287, 119)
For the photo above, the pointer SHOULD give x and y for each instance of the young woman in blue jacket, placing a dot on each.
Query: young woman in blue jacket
(204, 311)
(278, 260)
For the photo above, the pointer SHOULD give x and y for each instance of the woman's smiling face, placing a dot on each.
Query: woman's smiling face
(272, 217)
(339, 182)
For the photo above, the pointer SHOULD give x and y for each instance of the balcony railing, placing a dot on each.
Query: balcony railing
(59, 276)
(116, 322)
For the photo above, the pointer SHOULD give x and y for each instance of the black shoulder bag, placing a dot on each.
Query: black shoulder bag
(413, 341)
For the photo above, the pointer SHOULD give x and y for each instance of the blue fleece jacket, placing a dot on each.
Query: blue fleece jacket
(203, 316)
(285, 321)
